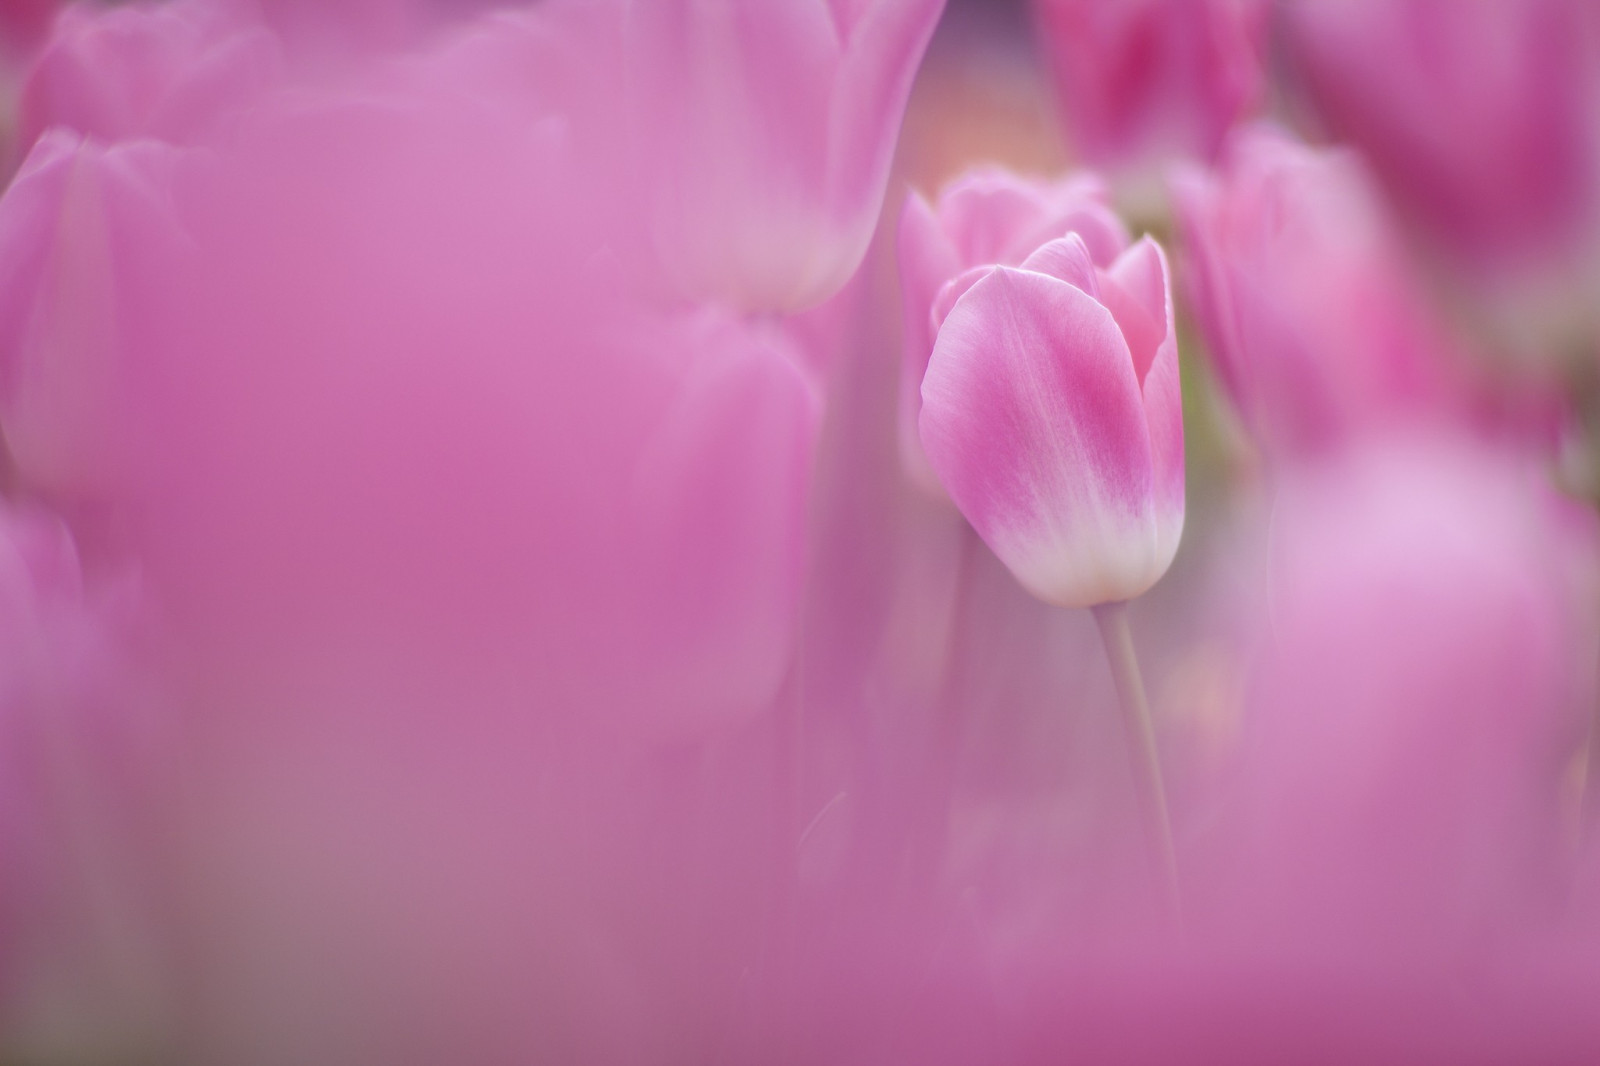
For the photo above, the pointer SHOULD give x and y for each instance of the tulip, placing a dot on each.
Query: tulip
(1145, 80)
(1414, 710)
(989, 217)
(1302, 293)
(169, 71)
(1480, 118)
(764, 135)
(436, 516)
(1051, 413)
(85, 232)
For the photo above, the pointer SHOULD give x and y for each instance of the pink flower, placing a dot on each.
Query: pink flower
(1303, 295)
(1051, 413)
(1413, 710)
(1479, 117)
(1143, 80)
(988, 217)
(167, 71)
(764, 134)
(379, 338)
(86, 231)
(451, 540)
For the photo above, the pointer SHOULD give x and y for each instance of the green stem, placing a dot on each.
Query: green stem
(1141, 738)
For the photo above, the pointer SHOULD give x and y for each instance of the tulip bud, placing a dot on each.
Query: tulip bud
(986, 217)
(1051, 412)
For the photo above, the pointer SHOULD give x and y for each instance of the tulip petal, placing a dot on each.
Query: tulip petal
(926, 259)
(885, 46)
(82, 230)
(1142, 274)
(1068, 260)
(1134, 290)
(990, 212)
(1033, 419)
(953, 290)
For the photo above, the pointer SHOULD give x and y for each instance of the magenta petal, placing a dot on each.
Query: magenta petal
(1033, 419)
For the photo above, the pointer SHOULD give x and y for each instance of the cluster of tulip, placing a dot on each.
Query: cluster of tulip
(553, 534)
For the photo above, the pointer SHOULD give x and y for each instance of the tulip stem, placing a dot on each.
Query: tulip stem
(1141, 738)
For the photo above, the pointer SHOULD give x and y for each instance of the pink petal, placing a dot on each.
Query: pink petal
(989, 213)
(1032, 417)
(927, 259)
(1163, 402)
(951, 292)
(1068, 260)
(1134, 290)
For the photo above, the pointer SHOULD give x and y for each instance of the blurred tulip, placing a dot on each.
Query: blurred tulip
(635, 484)
(1413, 710)
(1302, 293)
(86, 231)
(1481, 118)
(22, 24)
(167, 71)
(1051, 413)
(421, 502)
(1142, 81)
(988, 217)
(765, 133)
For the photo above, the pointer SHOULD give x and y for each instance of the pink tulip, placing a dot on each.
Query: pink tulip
(764, 135)
(988, 217)
(1303, 295)
(1051, 413)
(457, 548)
(168, 71)
(633, 483)
(1144, 80)
(1413, 711)
(85, 232)
(1480, 117)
